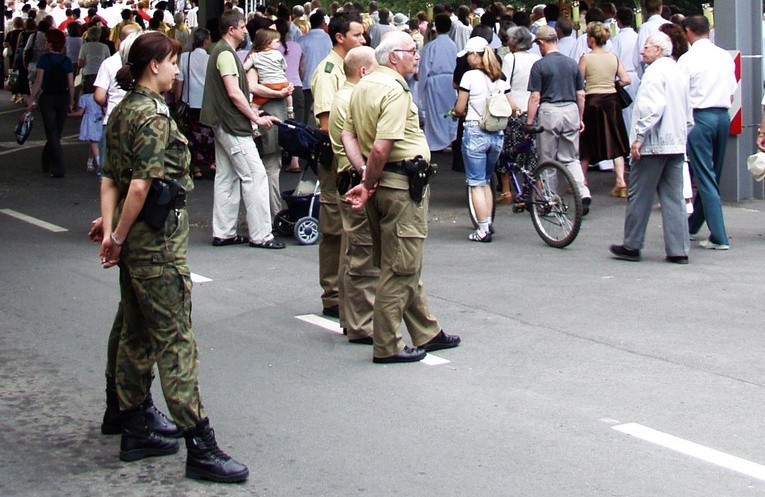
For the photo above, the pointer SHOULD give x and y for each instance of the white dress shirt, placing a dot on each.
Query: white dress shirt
(712, 75)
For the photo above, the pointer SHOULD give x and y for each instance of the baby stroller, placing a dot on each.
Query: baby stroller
(301, 217)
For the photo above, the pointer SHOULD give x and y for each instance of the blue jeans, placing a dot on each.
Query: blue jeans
(480, 151)
(706, 150)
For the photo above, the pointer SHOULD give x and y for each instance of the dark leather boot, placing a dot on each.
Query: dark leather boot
(205, 461)
(112, 423)
(139, 440)
(158, 421)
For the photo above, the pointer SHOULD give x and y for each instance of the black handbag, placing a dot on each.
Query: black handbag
(625, 100)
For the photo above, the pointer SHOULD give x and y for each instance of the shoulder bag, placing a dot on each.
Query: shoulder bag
(625, 100)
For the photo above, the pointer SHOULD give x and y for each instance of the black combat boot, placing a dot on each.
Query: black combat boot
(205, 461)
(158, 421)
(139, 440)
(112, 423)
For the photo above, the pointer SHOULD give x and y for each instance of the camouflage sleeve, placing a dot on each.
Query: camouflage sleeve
(149, 145)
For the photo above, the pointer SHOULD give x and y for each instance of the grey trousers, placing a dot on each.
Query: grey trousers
(560, 139)
(662, 174)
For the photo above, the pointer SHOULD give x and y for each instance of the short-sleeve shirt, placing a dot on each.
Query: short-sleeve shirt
(327, 79)
(143, 142)
(107, 80)
(479, 86)
(556, 77)
(93, 53)
(226, 65)
(337, 118)
(381, 108)
(46, 62)
(270, 64)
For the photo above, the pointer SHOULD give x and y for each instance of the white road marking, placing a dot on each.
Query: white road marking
(332, 325)
(692, 449)
(198, 278)
(34, 221)
(15, 147)
(327, 324)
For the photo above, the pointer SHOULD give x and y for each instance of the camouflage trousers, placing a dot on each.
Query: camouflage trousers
(155, 286)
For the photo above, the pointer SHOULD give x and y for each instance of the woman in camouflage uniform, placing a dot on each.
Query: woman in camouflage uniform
(145, 146)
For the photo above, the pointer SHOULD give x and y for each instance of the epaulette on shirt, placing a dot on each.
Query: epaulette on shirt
(328, 67)
(403, 85)
(162, 109)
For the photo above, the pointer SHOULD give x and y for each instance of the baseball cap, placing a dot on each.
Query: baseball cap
(475, 44)
(546, 33)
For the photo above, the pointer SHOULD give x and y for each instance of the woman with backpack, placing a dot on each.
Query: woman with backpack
(481, 147)
(54, 83)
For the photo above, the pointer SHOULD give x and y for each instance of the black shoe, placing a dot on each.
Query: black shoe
(441, 341)
(478, 237)
(625, 254)
(677, 259)
(236, 240)
(586, 205)
(362, 341)
(205, 461)
(408, 354)
(268, 244)
(158, 421)
(139, 440)
(112, 423)
(332, 311)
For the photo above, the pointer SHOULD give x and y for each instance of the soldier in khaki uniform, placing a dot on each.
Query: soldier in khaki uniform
(144, 146)
(346, 33)
(358, 277)
(382, 126)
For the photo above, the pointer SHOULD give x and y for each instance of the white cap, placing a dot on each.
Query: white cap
(475, 44)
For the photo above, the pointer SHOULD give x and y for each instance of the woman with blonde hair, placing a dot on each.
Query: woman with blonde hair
(604, 136)
(480, 148)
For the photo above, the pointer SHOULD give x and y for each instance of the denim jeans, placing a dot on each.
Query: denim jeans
(480, 151)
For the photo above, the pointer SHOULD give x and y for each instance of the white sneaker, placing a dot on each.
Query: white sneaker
(89, 166)
(709, 244)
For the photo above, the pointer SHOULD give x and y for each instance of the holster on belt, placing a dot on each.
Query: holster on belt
(163, 196)
(347, 180)
(323, 152)
(419, 172)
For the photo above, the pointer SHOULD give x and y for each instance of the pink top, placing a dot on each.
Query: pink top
(294, 52)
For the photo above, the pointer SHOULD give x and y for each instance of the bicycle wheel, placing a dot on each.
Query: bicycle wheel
(473, 219)
(556, 209)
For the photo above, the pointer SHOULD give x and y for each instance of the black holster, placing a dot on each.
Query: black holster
(347, 180)
(419, 172)
(323, 152)
(163, 196)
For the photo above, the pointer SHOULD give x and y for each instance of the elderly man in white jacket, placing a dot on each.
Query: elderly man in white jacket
(661, 119)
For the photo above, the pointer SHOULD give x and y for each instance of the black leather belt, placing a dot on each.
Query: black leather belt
(395, 167)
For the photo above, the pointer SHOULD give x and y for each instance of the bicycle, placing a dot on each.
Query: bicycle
(546, 191)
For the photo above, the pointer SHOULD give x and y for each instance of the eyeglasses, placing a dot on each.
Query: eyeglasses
(645, 47)
(411, 51)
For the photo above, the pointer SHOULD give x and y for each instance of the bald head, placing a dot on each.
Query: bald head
(359, 62)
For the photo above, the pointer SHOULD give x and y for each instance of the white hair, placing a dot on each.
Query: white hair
(662, 41)
(127, 43)
(391, 42)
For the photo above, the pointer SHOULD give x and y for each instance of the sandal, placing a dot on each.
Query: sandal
(273, 243)
(477, 237)
(505, 198)
(619, 192)
(198, 173)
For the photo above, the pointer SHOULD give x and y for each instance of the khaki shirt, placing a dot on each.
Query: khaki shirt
(337, 118)
(327, 79)
(381, 108)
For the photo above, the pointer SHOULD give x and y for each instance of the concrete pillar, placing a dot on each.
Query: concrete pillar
(738, 26)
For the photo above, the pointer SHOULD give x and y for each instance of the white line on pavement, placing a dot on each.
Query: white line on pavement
(332, 325)
(14, 147)
(198, 278)
(33, 220)
(692, 449)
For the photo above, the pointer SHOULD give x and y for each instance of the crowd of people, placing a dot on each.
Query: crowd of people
(164, 102)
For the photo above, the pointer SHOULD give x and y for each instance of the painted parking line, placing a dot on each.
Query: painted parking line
(334, 326)
(198, 278)
(694, 450)
(33, 220)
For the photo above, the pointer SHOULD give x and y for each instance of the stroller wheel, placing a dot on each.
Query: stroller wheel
(307, 230)
(282, 223)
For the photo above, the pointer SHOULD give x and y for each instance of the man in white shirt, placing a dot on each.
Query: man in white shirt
(566, 41)
(538, 17)
(192, 67)
(712, 85)
(649, 27)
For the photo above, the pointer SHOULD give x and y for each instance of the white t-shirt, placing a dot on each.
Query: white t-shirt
(479, 85)
(519, 76)
(107, 79)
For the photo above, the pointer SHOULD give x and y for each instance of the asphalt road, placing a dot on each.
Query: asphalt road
(578, 375)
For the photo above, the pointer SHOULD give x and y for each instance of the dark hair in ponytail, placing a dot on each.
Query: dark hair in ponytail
(146, 47)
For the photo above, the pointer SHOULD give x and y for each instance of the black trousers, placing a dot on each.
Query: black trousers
(53, 109)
